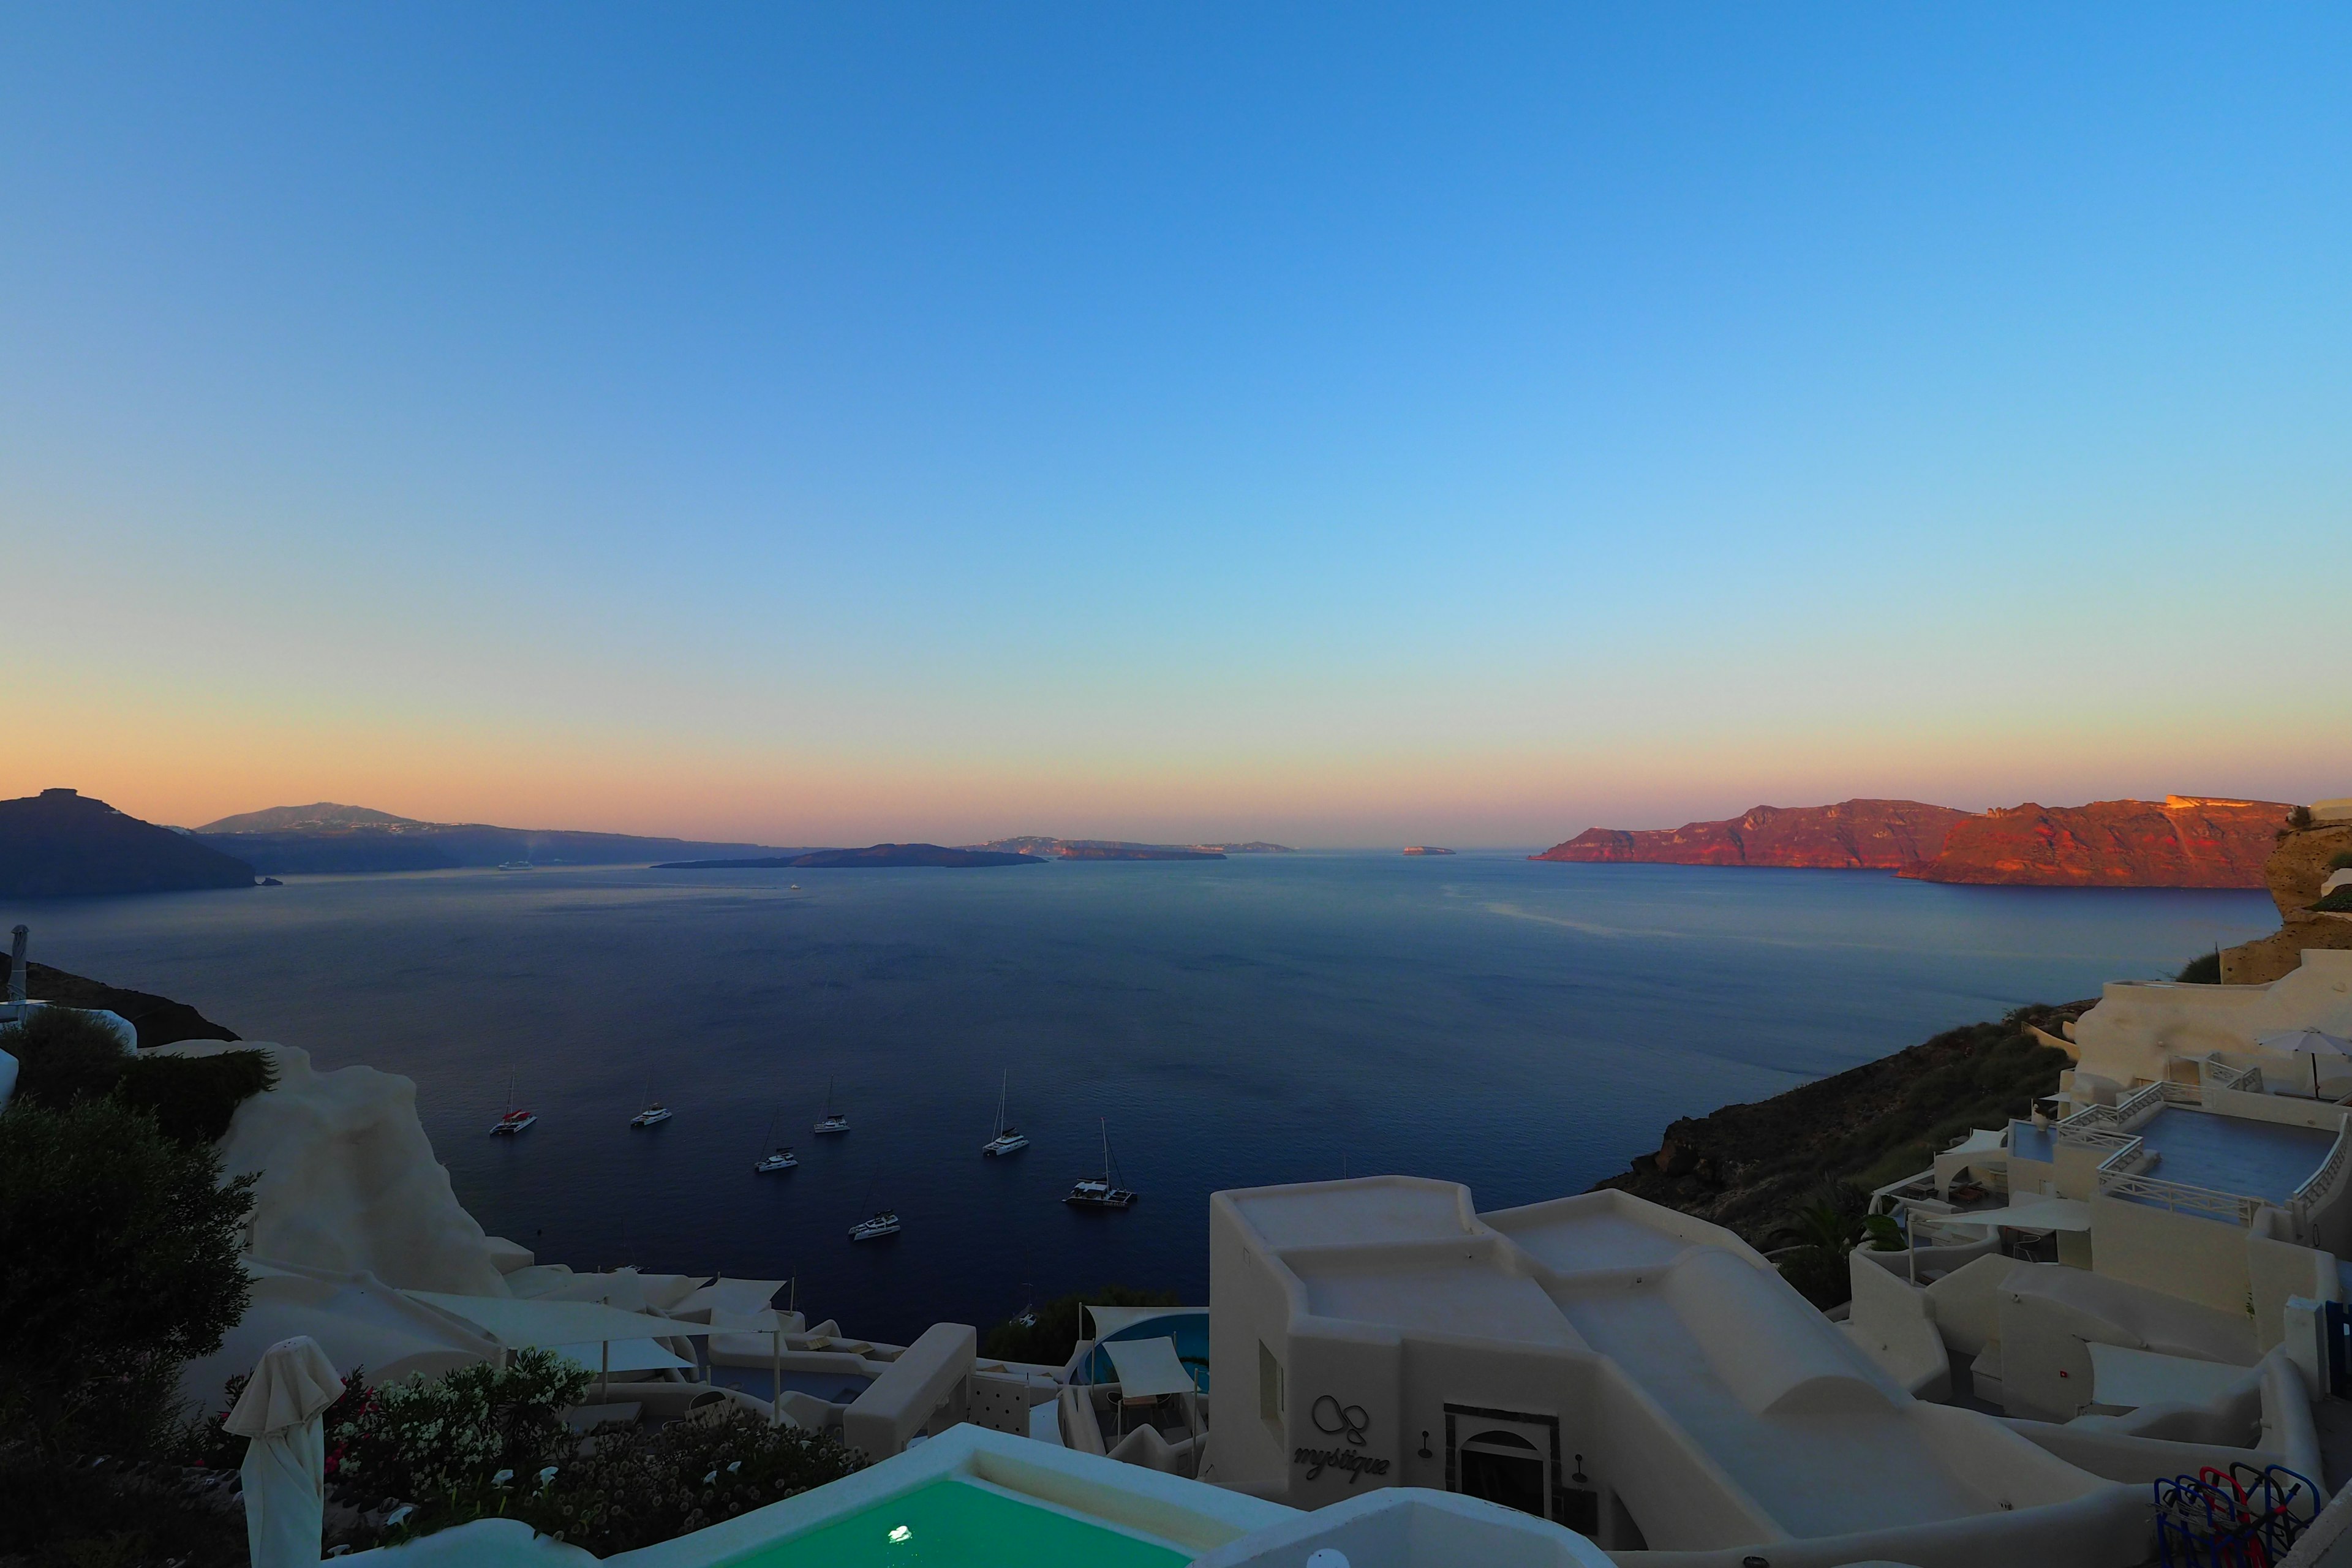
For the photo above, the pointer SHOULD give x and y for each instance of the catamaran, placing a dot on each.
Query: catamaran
(883, 1223)
(514, 1121)
(783, 1159)
(1106, 1193)
(1009, 1139)
(834, 1120)
(653, 1115)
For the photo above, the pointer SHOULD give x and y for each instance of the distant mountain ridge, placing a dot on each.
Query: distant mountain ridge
(326, 838)
(873, 856)
(63, 844)
(1125, 849)
(2185, 841)
(325, 817)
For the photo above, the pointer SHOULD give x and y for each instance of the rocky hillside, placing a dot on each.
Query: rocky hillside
(1853, 836)
(159, 1020)
(2187, 841)
(2306, 853)
(59, 843)
(1751, 1167)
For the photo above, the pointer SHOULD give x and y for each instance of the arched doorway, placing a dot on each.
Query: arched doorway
(1500, 1465)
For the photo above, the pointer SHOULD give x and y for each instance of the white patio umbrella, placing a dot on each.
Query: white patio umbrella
(2313, 1043)
(286, 1460)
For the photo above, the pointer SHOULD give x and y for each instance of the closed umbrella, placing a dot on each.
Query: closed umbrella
(286, 1460)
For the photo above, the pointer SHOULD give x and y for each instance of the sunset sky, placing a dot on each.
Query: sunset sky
(1334, 424)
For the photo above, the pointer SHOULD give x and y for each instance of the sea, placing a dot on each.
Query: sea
(1524, 1027)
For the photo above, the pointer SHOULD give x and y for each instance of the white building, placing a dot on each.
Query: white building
(1633, 1373)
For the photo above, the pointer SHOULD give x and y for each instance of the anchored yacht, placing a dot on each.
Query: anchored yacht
(653, 1115)
(834, 1120)
(1106, 1193)
(512, 1122)
(881, 1224)
(1009, 1139)
(783, 1159)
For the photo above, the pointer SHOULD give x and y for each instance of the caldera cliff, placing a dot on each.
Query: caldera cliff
(1853, 836)
(2188, 841)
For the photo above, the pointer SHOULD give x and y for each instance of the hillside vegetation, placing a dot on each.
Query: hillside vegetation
(1755, 1168)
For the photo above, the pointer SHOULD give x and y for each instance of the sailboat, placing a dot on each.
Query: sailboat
(885, 1223)
(1090, 1193)
(1009, 1139)
(514, 1121)
(834, 1120)
(783, 1159)
(653, 1115)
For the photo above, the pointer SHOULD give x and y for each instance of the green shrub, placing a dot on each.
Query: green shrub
(118, 1263)
(65, 1054)
(2342, 862)
(1821, 1275)
(1051, 1339)
(440, 1443)
(62, 1055)
(194, 1098)
(2205, 969)
(2337, 902)
(641, 1484)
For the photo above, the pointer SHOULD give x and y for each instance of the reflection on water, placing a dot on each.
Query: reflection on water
(1522, 1028)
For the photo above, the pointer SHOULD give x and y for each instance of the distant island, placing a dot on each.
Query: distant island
(2188, 841)
(329, 838)
(1425, 849)
(63, 844)
(1122, 849)
(873, 856)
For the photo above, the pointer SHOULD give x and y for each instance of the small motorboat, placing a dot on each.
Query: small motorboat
(517, 866)
(1106, 1193)
(653, 1115)
(834, 1120)
(783, 1159)
(874, 1229)
(1009, 1139)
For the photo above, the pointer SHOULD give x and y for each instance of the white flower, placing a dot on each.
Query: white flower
(734, 1467)
(708, 1479)
(502, 1478)
(547, 1474)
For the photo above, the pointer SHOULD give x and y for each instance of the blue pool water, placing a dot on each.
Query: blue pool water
(1524, 1027)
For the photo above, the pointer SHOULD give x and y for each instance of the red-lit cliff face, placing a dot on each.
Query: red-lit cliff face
(1854, 835)
(2183, 842)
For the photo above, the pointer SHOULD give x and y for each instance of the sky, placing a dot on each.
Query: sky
(1339, 425)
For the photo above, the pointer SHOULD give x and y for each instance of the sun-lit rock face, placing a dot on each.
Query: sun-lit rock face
(2183, 841)
(349, 1181)
(1852, 836)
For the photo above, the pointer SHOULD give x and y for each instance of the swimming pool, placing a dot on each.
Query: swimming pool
(962, 1522)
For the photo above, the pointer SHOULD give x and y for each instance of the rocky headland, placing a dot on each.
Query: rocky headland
(2298, 867)
(2184, 841)
(62, 844)
(1122, 849)
(1852, 836)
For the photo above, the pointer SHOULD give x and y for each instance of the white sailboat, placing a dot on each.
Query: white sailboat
(1009, 1139)
(781, 1159)
(1106, 1193)
(834, 1120)
(885, 1223)
(653, 1114)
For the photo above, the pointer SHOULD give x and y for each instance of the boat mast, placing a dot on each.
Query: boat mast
(1001, 1084)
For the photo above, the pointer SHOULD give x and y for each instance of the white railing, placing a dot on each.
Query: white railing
(2220, 1074)
(2121, 1117)
(2323, 1184)
(2233, 1206)
(2182, 1094)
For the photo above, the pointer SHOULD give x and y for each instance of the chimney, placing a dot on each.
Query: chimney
(17, 967)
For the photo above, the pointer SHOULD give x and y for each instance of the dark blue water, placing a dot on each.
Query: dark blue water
(1525, 1028)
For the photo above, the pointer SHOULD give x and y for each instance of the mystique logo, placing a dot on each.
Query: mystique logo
(1348, 1422)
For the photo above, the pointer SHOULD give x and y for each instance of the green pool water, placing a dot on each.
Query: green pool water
(953, 1524)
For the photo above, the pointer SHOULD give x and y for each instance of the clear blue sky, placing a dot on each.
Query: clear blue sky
(1337, 424)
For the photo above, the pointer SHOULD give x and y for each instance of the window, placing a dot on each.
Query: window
(1269, 1385)
(1505, 1467)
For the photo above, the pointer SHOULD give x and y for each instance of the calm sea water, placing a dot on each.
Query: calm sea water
(1524, 1027)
